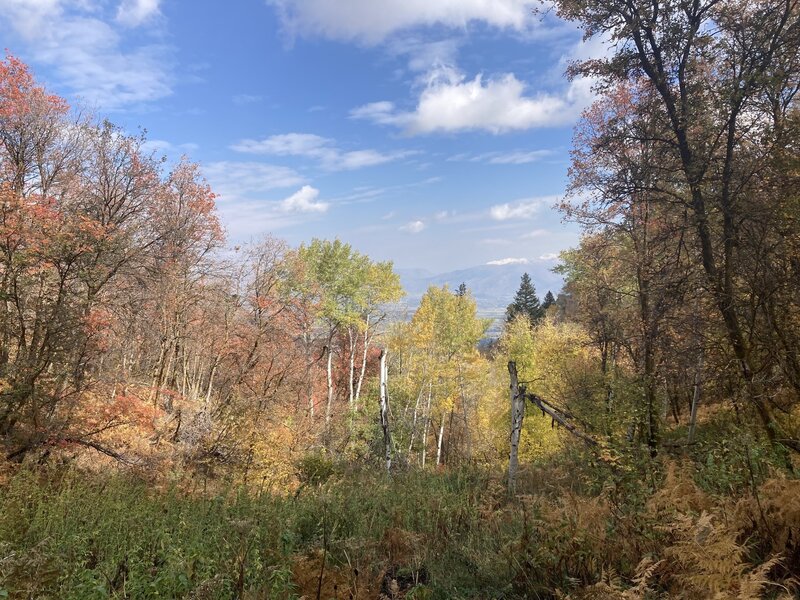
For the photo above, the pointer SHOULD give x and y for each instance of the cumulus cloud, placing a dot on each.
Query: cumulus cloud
(371, 22)
(304, 201)
(319, 148)
(133, 13)
(451, 102)
(508, 261)
(549, 256)
(522, 209)
(88, 53)
(413, 227)
(448, 100)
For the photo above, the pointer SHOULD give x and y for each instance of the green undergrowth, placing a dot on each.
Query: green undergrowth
(579, 522)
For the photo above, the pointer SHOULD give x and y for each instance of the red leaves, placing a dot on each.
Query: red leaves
(21, 97)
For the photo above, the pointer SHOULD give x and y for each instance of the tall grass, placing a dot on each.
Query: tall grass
(583, 528)
(79, 536)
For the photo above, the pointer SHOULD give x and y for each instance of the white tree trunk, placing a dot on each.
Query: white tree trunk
(353, 341)
(363, 362)
(517, 417)
(439, 443)
(384, 395)
(427, 424)
(329, 405)
(211, 382)
(414, 420)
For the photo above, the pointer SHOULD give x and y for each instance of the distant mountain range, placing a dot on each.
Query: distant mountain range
(492, 285)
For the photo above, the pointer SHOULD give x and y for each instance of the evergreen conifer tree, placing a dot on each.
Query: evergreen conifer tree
(526, 302)
(548, 301)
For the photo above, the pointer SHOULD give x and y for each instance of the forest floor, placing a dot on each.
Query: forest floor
(717, 520)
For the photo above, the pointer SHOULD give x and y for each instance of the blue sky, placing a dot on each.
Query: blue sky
(434, 133)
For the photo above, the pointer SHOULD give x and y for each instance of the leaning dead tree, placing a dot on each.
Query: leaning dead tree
(561, 417)
(518, 396)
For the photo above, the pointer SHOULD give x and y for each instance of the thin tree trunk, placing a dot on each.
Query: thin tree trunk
(158, 376)
(211, 382)
(351, 374)
(439, 442)
(427, 424)
(309, 382)
(329, 405)
(384, 395)
(517, 417)
(196, 377)
(698, 390)
(414, 420)
(467, 432)
(363, 362)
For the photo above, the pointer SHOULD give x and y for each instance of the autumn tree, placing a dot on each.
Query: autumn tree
(721, 79)
(621, 195)
(77, 197)
(436, 359)
(351, 292)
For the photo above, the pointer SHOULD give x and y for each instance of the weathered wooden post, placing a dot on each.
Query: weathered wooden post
(517, 416)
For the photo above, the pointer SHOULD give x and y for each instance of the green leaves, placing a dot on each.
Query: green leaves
(347, 285)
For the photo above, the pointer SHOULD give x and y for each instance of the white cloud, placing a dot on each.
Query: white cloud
(536, 233)
(293, 144)
(370, 21)
(514, 157)
(549, 256)
(87, 52)
(519, 158)
(450, 102)
(522, 209)
(413, 227)
(163, 147)
(319, 148)
(245, 220)
(304, 201)
(348, 161)
(240, 180)
(246, 202)
(422, 54)
(508, 261)
(382, 112)
(133, 13)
